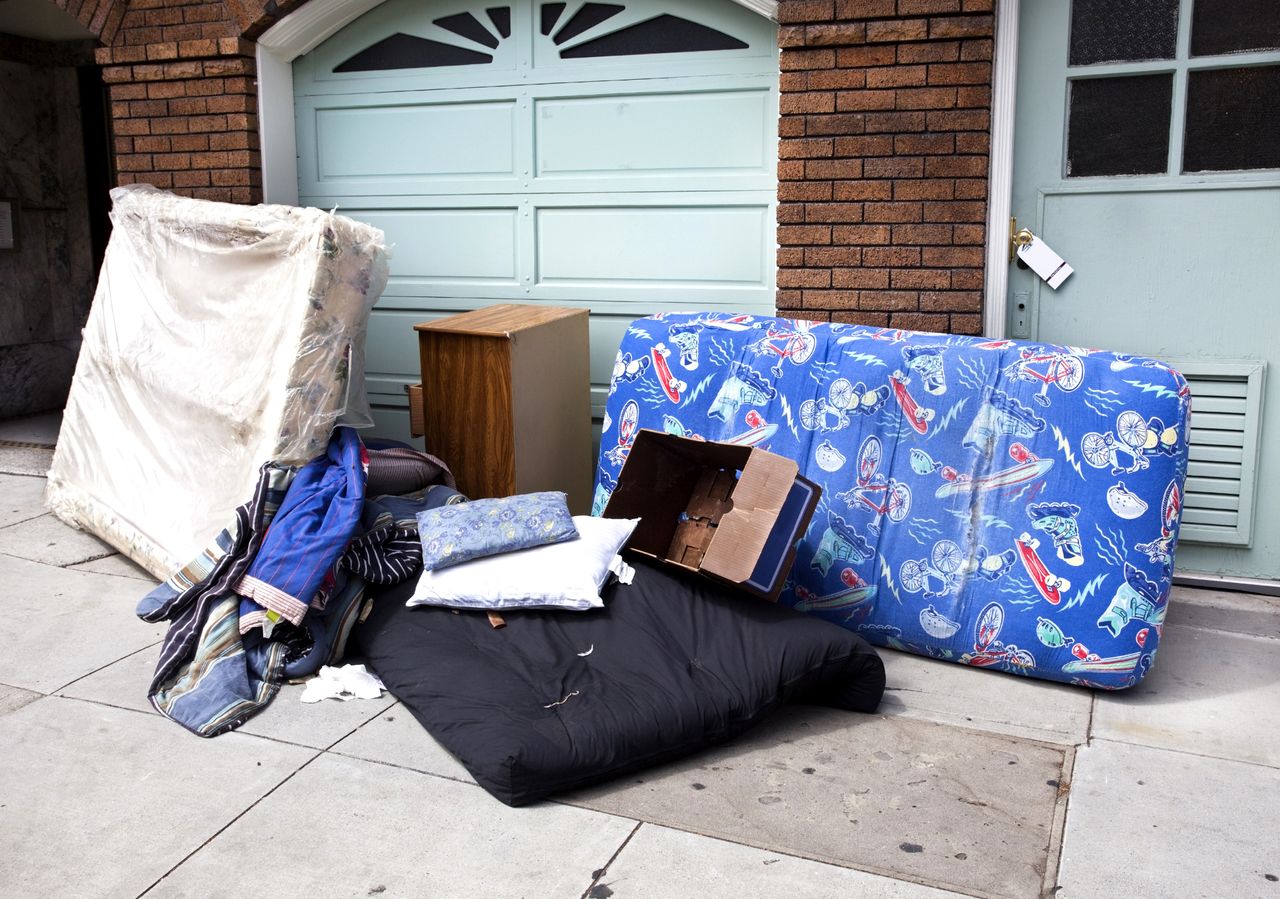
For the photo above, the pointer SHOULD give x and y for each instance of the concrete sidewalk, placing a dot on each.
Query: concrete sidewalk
(967, 782)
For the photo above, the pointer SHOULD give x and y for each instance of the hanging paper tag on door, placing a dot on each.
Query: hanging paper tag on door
(1045, 262)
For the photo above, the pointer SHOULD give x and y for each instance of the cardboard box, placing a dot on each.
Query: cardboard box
(733, 513)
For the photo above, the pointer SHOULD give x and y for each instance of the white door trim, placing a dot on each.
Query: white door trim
(300, 32)
(1004, 87)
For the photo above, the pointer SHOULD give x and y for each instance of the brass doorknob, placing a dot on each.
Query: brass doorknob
(1018, 238)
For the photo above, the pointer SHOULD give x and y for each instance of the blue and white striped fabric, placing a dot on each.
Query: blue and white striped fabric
(210, 677)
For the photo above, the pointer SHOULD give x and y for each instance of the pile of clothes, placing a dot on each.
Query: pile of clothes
(274, 596)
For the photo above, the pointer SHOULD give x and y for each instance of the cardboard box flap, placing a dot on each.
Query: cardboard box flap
(742, 532)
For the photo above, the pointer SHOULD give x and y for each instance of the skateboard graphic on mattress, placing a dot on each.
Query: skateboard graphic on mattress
(1011, 505)
(671, 385)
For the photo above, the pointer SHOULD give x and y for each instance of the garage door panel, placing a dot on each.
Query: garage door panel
(482, 77)
(393, 361)
(635, 178)
(655, 245)
(393, 348)
(420, 141)
(665, 134)
(629, 304)
(638, 298)
(391, 354)
(449, 244)
(462, 296)
(645, 135)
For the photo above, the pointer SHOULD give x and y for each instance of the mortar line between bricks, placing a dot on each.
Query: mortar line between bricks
(224, 827)
(605, 870)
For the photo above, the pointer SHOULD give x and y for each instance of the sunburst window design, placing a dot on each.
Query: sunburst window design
(662, 34)
(500, 16)
(550, 13)
(406, 51)
(591, 15)
(464, 24)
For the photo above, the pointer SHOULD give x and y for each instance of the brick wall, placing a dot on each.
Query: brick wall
(184, 100)
(882, 169)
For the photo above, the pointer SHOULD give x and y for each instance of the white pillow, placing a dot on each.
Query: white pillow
(566, 575)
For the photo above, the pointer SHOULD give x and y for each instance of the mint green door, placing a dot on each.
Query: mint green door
(617, 156)
(1147, 154)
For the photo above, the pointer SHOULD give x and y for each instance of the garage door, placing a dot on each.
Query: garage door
(619, 157)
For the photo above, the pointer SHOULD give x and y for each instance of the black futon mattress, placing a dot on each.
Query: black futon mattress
(557, 700)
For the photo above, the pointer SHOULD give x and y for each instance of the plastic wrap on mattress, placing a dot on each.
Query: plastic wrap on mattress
(1003, 504)
(220, 337)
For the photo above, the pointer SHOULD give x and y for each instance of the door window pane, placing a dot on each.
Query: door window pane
(1234, 26)
(1123, 30)
(1233, 120)
(1119, 126)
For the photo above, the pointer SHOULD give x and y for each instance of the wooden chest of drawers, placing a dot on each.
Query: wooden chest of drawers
(506, 402)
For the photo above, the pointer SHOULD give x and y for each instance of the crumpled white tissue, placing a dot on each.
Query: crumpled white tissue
(347, 682)
(624, 572)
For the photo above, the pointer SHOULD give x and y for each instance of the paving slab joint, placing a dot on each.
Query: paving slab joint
(1057, 830)
(598, 890)
(250, 807)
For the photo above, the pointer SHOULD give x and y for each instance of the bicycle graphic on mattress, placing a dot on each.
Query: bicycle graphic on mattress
(1064, 371)
(989, 651)
(797, 345)
(835, 411)
(883, 496)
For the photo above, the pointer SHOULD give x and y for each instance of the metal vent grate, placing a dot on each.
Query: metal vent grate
(1226, 408)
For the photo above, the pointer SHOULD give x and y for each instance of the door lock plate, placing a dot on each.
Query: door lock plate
(1020, 324)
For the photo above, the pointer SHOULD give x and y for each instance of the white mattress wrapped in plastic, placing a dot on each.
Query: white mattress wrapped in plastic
(220, 337)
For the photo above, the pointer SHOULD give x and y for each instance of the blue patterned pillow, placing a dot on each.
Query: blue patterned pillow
(486, 527)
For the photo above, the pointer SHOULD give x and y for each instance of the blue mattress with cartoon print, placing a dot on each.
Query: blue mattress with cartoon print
(1002, 504)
